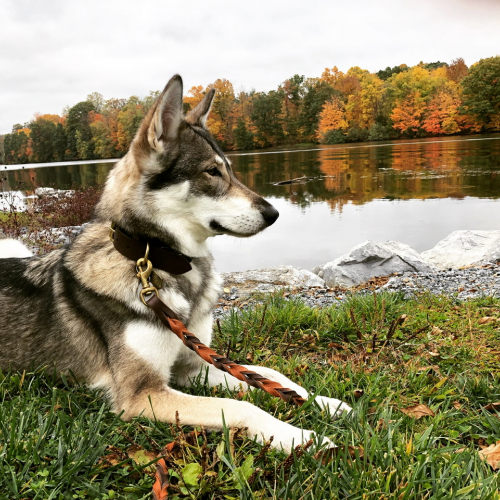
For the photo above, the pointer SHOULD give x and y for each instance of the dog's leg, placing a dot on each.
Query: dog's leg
(163, 403)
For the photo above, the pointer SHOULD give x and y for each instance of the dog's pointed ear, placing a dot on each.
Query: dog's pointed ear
(167, 116)
(199, 115)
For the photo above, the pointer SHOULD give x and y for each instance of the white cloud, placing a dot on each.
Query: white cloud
(53, 53)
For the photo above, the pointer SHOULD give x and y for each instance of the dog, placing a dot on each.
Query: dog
(77, 308)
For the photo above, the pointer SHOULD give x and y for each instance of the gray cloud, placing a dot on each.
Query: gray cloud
(55, 53)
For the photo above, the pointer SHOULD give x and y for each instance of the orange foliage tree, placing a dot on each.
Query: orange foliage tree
(332, 117)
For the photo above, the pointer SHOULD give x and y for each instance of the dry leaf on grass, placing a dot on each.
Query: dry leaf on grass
(432, 370)
(491, 455)
(457, 405)
(358, 393)
(493, 407)
(141, 456)
(486, 319)
(418, 411)
(326, 456)
(382, 424)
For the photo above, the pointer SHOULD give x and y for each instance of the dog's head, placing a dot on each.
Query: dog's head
(178, 180)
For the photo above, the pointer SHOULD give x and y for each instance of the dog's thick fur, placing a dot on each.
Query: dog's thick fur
(78, 308)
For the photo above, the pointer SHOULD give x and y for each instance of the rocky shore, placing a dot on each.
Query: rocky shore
(464, 265)
(467, 283)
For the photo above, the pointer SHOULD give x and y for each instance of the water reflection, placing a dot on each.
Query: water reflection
(368, 191)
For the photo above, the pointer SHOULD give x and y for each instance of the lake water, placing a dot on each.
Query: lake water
(416, 192)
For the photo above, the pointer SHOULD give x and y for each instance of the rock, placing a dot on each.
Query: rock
(13, 248)
(369, 260)
(47, 192)
(465, 248)
(271, 278)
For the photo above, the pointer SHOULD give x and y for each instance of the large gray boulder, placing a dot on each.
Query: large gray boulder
(465, 248)
(369, 260)
(271, 278)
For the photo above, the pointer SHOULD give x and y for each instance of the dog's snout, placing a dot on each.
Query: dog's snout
(270, 214)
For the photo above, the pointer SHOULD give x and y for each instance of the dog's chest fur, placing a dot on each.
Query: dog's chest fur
(191, 296)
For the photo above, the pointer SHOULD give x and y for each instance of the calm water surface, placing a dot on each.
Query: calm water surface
(416, 192)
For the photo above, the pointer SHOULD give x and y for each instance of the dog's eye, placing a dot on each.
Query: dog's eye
(214, 171)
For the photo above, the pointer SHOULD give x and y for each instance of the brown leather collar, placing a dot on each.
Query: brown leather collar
(164, 258)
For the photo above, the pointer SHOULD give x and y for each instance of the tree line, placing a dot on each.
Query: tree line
(423, 100)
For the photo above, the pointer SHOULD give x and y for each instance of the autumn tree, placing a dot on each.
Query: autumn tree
(457, 70)
(363, 104)
(332, 117)
(441, 115)
(129, 119)
(332, 76)
(220, 120)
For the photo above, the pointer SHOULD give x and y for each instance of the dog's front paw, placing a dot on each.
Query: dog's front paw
(334, 406)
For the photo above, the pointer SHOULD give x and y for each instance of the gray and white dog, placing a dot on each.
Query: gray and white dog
(78, 308)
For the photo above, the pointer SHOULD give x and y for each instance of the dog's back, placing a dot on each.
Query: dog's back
(44, 318)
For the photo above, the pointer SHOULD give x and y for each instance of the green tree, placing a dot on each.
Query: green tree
(481, 92)
(42, 140)
(78, 120)
(317, 93)
(97, 100)
(267, 118)
(60, 142)
(293, 92)
(16, 146)
(2, 153)
(385, 74)
(243, 137)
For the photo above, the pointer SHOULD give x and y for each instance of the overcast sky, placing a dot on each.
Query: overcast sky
(54, 53)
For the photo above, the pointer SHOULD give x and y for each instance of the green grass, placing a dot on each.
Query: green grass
(60, 441)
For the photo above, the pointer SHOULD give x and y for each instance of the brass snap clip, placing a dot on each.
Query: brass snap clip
(144, 270)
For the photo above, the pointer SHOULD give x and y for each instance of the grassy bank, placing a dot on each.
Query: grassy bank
(381, 354)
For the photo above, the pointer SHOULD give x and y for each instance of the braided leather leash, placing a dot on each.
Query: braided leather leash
(149, 297)
(222, 363)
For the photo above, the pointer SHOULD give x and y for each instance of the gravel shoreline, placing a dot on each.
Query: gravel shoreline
(463, 284)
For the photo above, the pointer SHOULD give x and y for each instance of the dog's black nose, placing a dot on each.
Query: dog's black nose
(270, 214)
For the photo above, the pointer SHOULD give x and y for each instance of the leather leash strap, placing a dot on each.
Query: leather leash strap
(170, 320)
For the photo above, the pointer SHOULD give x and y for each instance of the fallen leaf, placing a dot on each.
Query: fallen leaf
(457, 405)
(141, 456)
(434, 354)
(436, 331)
(382, 424)
(429, 370)
(418, 411)
(335, 344)
(493, 407)
(491, 455)
(327, 456)
(358, 393)
(486, 319)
